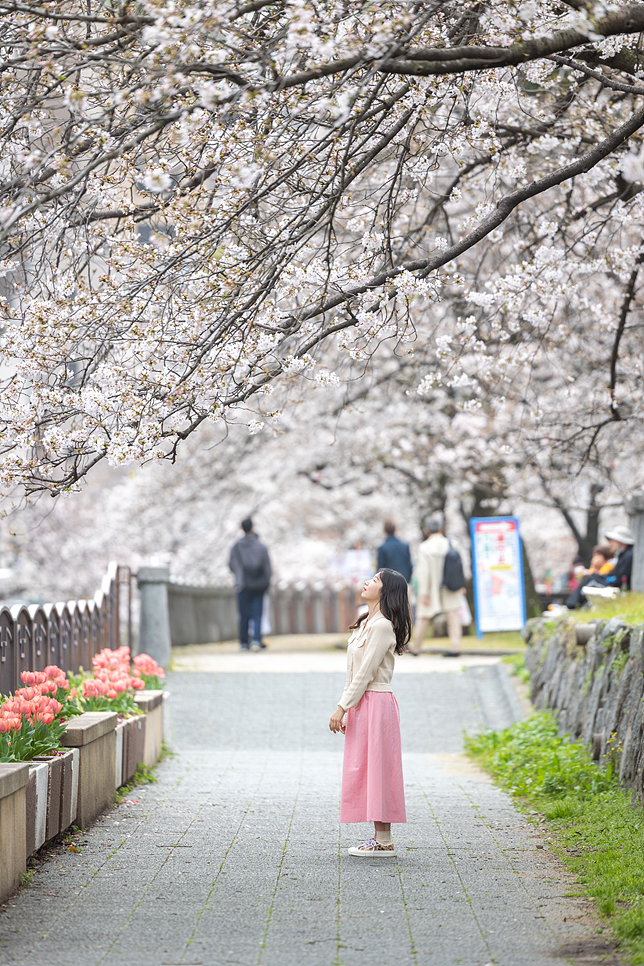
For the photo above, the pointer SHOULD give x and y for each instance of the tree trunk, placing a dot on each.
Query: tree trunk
(586, 541)
(532, 599)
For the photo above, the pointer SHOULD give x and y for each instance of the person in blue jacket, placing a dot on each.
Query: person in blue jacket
(394, 554)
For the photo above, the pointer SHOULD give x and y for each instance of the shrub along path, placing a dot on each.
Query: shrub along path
(235, 856)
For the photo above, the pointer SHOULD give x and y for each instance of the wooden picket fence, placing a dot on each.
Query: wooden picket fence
(67, 633)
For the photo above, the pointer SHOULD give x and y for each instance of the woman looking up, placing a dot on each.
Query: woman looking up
(368, 715)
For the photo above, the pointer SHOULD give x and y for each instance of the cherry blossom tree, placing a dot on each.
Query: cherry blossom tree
(196, 200)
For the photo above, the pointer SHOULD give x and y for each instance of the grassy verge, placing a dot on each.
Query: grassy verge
(592, 824)
(502, 639)
(516, 665)
(629, 606)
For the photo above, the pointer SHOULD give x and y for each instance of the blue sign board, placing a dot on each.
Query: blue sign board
(499, 597)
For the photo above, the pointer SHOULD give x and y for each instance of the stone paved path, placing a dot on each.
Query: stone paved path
(236, 857)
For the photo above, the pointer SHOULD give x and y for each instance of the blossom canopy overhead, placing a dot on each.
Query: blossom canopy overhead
(198, 200)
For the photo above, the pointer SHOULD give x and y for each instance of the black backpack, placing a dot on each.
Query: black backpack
(453, 576)
(254, 563)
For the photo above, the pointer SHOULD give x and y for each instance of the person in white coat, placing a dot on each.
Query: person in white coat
(433, 598)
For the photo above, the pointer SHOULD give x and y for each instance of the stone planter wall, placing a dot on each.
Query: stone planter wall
(151, 703)
(592, 676)
(13, 812)
(94, 734)
(40, 799)
(52, 797)
(130, 748)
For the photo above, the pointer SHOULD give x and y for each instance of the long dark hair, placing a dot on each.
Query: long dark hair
(394, 605)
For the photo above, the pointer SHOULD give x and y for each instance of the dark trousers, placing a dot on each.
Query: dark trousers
(250, 609)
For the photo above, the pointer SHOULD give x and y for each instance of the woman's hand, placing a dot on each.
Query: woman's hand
(336, 722)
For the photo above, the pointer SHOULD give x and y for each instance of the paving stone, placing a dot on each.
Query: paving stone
(235, 856)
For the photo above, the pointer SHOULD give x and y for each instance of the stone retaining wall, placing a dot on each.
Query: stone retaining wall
(592, 676)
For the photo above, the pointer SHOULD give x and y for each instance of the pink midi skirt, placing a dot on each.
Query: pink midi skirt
(372, 778)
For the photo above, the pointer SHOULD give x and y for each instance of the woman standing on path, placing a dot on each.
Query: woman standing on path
(368, 715)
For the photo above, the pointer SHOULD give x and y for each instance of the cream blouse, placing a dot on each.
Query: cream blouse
(370, 659)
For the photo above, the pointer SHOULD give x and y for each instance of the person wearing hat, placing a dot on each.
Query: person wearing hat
(433, 597)
(620, 540)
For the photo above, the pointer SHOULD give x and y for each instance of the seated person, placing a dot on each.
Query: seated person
(620, 541)
(620, 544)
(601, 561)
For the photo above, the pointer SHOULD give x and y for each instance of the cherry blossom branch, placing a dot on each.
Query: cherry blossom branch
(438, 61)
(605, 81)
(629, 294)
(503, 210)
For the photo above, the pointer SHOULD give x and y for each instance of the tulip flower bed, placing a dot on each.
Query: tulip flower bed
(147, 669)
(66, 742)
(112, 686)
(34, 719)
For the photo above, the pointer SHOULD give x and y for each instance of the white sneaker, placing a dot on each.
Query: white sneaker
(372, 848)
(256, 646)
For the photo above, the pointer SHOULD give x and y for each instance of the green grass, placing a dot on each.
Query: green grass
(516, 664)
(629, 606)
(502, 639)
(492, 641)
(142, 776)
(595, 828)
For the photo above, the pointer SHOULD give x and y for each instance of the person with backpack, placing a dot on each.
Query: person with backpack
(441, 585)
(251, 565)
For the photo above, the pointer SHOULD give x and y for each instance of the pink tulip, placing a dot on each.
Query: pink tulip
(12, 722)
